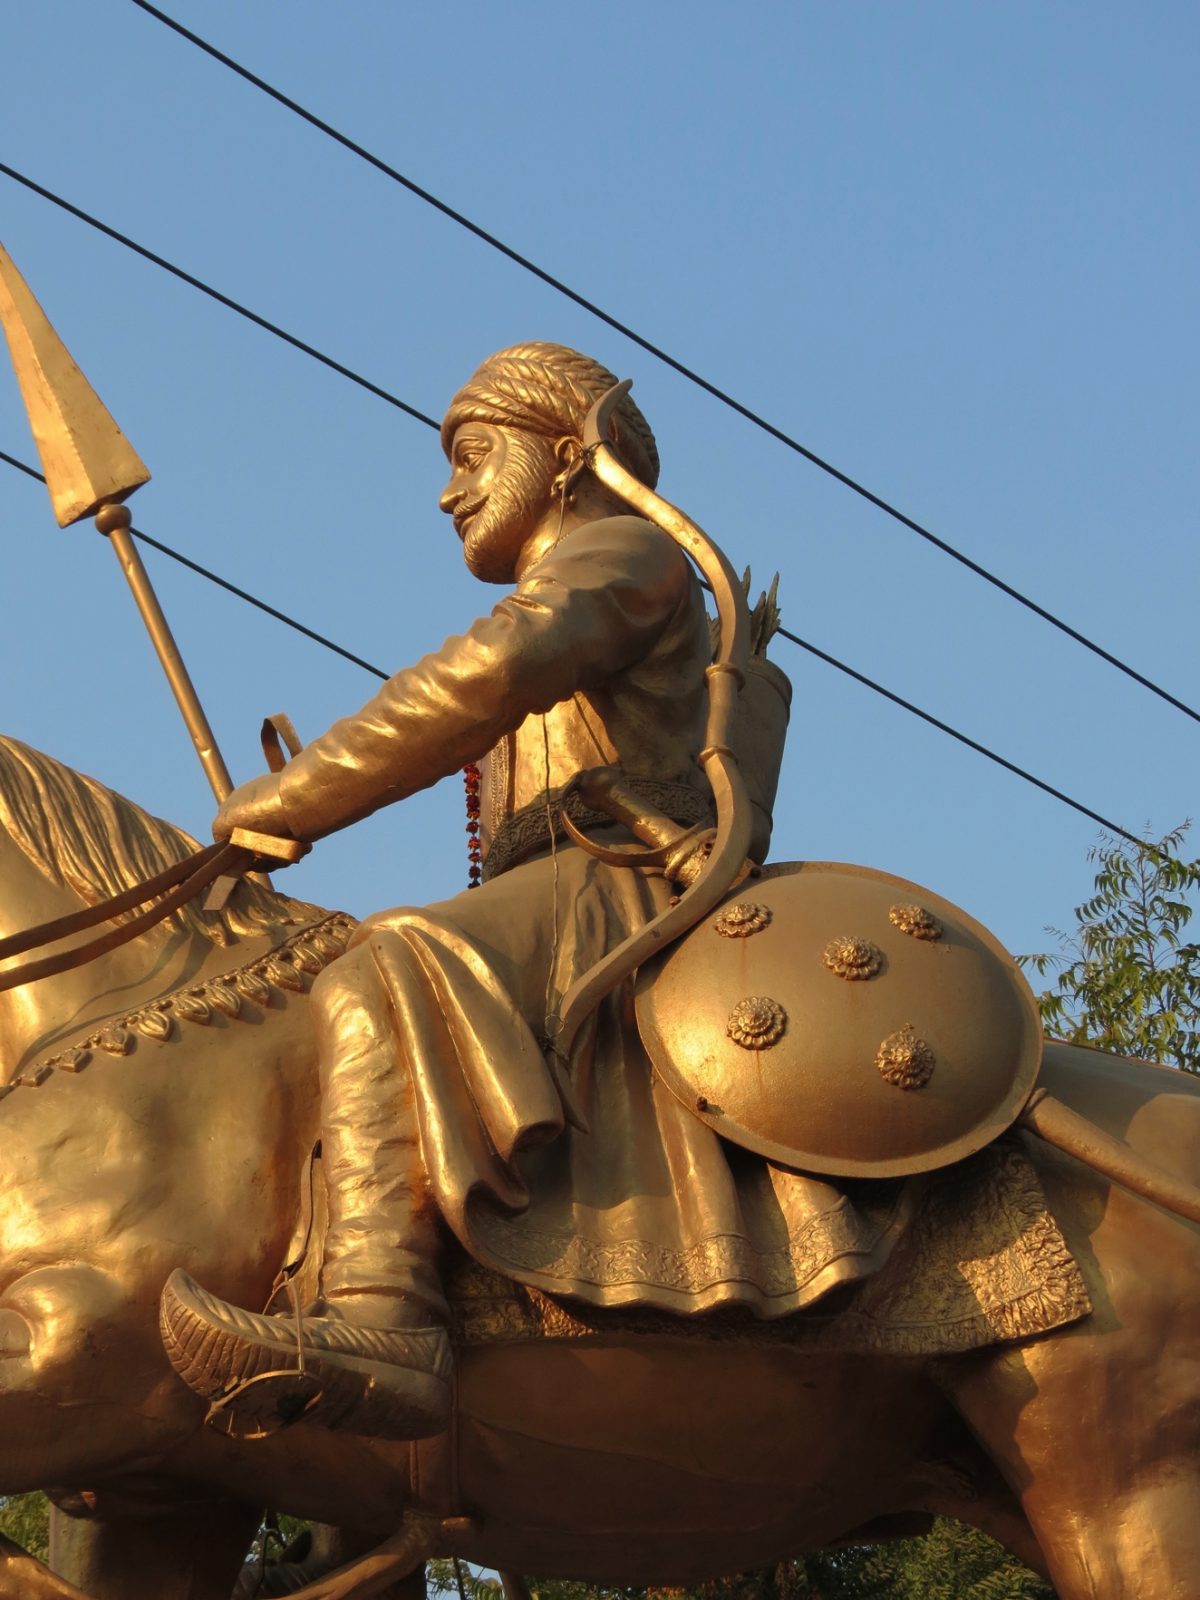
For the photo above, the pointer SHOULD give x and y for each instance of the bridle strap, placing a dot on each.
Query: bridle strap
(201, 869)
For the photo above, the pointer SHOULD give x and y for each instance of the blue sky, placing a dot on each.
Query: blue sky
(951, 248)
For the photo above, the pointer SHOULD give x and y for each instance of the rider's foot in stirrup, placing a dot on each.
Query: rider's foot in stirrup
(262, 1373)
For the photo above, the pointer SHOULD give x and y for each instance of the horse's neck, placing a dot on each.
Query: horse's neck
(43, 1016)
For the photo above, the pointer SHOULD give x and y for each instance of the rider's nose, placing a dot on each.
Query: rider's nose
(449, 497)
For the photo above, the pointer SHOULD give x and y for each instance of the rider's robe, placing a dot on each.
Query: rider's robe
(598, 657)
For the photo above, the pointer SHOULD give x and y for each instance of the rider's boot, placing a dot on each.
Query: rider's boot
(372, 1356)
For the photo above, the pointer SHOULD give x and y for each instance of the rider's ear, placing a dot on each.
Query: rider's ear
(568, 452)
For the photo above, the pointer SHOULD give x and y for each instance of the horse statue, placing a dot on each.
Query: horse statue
(160, 1109)
(1011, 1362)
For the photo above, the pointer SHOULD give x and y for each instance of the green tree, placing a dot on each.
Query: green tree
(953, 1562)
(1127, 976)
(25, 1518)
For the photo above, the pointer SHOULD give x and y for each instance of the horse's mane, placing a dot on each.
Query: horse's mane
(96, 843)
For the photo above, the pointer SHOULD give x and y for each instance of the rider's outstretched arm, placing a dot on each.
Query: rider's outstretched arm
(597, 603)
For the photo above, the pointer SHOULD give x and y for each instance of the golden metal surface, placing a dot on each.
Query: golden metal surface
(756, 1023)
(818, 1100)
(607, 628)
(978, 1226)
(286, 851)
(86, 458)
(905, 1060)
(915, 920)
(741, 919)
(855, 959)
(161, 1109)
(308, 951)
(114, 520)
(727, 854)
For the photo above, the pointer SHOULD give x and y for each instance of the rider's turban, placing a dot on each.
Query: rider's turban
(549, 389)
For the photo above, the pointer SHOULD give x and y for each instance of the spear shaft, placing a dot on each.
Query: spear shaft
(114, 521)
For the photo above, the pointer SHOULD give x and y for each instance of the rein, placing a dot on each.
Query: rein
(184, 880)
(242, 852)
(47, 932)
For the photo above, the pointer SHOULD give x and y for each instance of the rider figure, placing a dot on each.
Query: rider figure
(597, 657)
(443, 1101)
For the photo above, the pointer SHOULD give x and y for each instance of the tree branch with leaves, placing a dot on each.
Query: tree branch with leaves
(1127, 977)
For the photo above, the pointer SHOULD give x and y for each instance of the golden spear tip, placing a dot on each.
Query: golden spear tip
(87, 460)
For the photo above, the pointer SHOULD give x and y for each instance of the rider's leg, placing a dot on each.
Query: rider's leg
(375, 1347)
(381, 1248)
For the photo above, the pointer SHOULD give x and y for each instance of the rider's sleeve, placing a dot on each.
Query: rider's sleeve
(595, 605)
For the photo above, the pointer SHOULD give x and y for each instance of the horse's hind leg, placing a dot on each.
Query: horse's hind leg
(188, 1554)
(1097, 1426)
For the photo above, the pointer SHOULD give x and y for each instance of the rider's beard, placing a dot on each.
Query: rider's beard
(497, 532)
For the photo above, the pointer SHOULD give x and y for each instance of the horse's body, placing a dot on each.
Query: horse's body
(624, 1457)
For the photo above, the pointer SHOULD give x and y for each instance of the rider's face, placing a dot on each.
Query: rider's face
(499, 488)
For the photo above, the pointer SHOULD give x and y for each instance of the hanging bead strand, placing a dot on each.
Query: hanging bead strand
(471, 784)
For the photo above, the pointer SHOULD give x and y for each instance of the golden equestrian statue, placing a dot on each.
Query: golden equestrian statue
(647, 1212)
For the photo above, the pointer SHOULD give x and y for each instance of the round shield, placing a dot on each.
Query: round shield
(844, 1022)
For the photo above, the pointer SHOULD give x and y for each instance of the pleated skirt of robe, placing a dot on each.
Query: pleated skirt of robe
(647, 1207)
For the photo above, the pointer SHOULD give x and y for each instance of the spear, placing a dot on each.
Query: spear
(91, 469)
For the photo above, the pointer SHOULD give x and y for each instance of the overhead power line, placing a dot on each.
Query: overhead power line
(216, 294)
(662, 355)
(377, 389)
(224, 583)
(971, 744)
(812, 649)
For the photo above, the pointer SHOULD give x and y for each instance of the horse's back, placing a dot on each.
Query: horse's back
(1140, 1260)
(1154, 1109)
